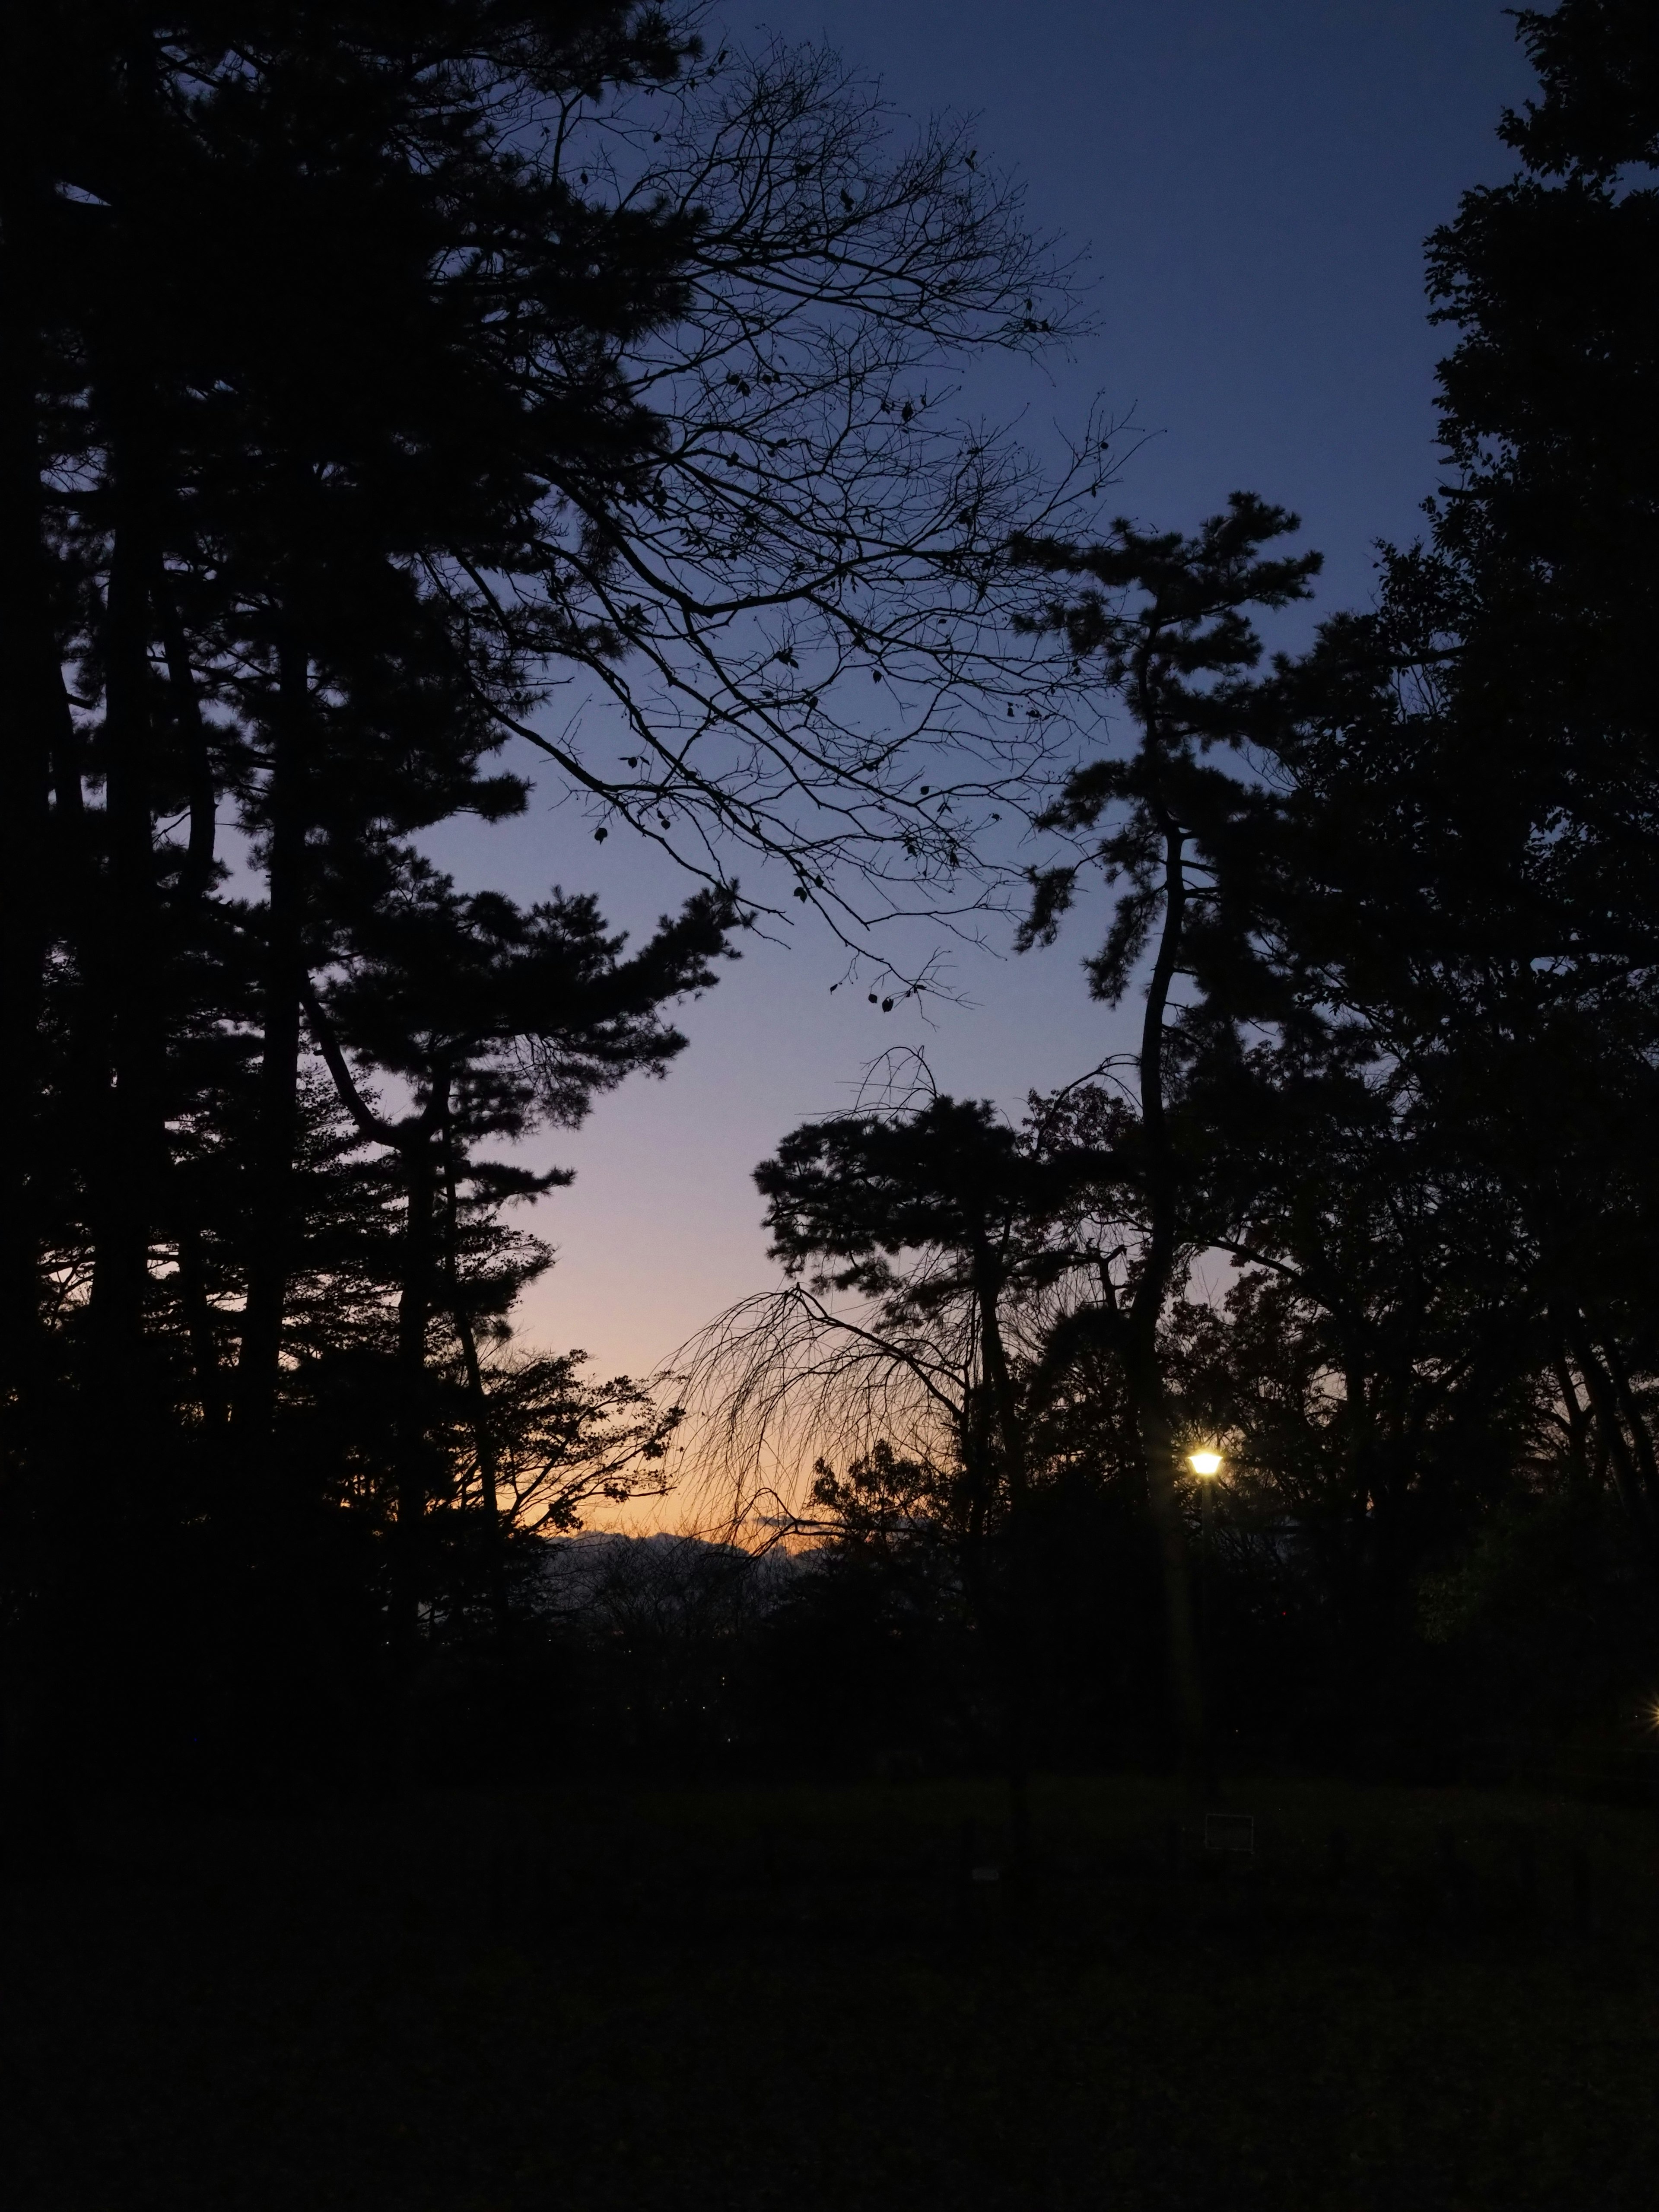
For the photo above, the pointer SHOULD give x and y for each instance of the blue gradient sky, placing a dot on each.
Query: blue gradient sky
(1253, 180)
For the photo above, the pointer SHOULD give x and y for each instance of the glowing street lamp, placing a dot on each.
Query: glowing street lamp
(1206, 1466)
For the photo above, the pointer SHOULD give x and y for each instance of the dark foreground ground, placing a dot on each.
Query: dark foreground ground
(801, 1999)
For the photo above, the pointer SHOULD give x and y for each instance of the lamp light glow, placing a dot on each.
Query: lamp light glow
(1205, 1463)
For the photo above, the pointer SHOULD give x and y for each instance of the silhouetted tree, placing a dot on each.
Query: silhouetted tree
(1471, 774)
(1164, 618)
(497, 1022)
(370, 371)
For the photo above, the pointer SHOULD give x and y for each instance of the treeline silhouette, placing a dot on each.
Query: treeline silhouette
(373, 371)
(1368, 1206)
(368, 371)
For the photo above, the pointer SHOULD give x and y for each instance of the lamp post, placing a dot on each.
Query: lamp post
(1206, 1464)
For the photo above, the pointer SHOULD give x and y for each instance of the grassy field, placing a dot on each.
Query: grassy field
(799, 1998)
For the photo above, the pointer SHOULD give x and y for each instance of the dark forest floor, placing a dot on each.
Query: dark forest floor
(797, 1999)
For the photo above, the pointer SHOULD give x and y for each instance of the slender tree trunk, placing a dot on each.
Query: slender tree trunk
(1143, 1368)
(1641, 1436)
(1578, 1424)
(129, 956)
(483, 1440)
(210, 1380)
(271, 1255)
(186, 705)
(1627, 1472)
(195, 880)
(986, 1278)
(128, 1446)
(1158, 1449)
(285, 1645)
(414, 1305)
(39, 845)
(1357, 1428)
(33, 710)
(979, 1459)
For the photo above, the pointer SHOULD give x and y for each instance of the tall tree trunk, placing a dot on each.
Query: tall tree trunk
(1143, 1367)
(1578, 1424)
(271, 1254)
(1627, 1472)
(195, 880)
(987, 1286)
(130, 988)
(284, 1649)
(1186, 1680)
(186, 706)
(1635, 1421)
(34, 712)
(129, 955)
(210, 1390)
(39, 844)
(483, 1440)
(414, 1413)
(133, 1475)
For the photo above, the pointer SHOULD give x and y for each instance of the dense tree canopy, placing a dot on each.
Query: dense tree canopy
(1387, 910)
(399, 403)
(372, 374)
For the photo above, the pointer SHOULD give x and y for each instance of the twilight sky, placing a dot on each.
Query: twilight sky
(1253, 180)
